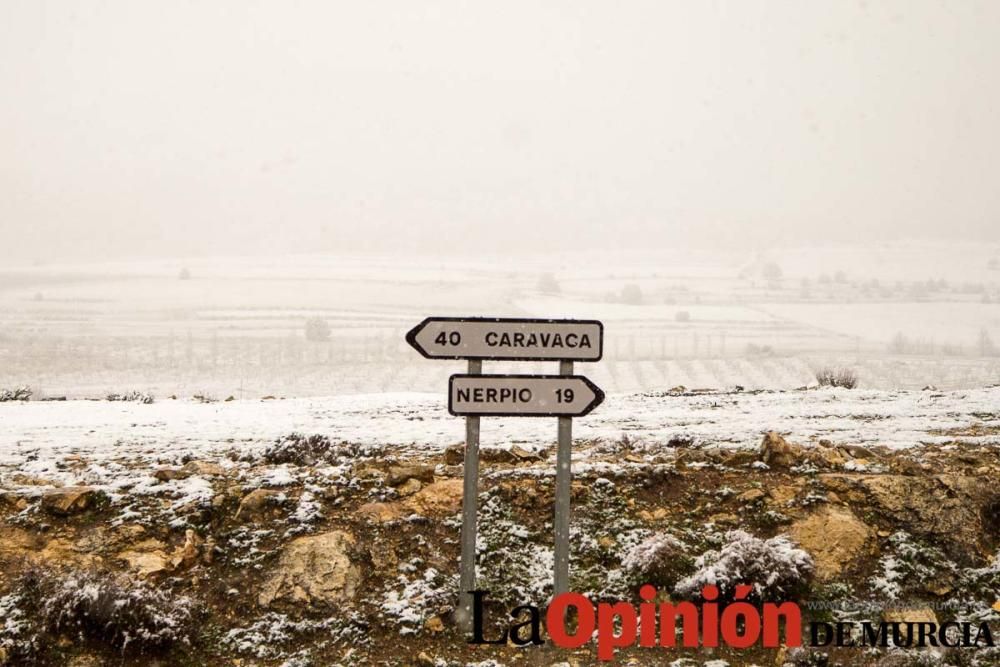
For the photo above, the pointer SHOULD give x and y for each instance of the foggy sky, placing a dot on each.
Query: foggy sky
(175, 128)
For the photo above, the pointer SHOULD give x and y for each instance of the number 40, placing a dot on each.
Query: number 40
(448, 338)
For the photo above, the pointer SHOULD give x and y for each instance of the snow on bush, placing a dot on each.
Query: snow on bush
(18, 639)
(512, 564)
(657, 560)
(774, 567)
(16, 394)
(274, 636)
(300, 449)
(420, 598)
(133, 396)
(307, 512)
(908, 562)
(119, 611)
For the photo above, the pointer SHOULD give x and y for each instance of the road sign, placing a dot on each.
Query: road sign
(522, 395)
(476, 395)
(508, 339)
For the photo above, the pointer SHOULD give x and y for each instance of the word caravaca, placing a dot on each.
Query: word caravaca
(545, 341)
(737, 624)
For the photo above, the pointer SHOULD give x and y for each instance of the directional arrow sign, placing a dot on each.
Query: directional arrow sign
(522, 395)
(508, 339)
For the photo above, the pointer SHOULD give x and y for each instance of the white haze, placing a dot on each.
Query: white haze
(136, 129)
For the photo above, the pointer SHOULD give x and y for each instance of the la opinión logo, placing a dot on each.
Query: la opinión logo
(736, 624)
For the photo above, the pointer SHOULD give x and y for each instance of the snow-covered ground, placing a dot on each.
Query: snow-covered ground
(99, 431)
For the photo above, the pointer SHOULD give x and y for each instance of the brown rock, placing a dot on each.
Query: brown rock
(186, 555)
(70, 500)
(20, 479)
(314, 569)
(527, 455)
(257, 501)
(146, 563)
(777, 452)
(914, 615)
(434, 624)
(409, 487)
(206, 468)
(783, 495)
(379, 512)
(834, 537)
(454, 455)
(399, 474)
(440, 497)
(170, 474)
(751, 496)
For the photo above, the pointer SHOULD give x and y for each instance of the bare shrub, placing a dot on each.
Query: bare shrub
(16, 394)
(547, 284)
(631, 294)
(659, 560)
(317, 330)
(299, 449)
(841, 377)
(776, 568)
(121, 612)
(133, 396)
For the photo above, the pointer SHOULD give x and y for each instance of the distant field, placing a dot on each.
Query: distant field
(235, 326)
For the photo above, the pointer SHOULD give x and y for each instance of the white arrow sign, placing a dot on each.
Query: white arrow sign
(522, 395)
(508, 339)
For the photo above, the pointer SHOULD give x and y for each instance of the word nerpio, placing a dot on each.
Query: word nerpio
(495, 395)
(737, 624)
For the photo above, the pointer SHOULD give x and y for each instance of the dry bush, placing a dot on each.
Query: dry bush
(300, 449)
(120, 612)
(842, 377)
(659, 560)
(776, 568)
(16, 394)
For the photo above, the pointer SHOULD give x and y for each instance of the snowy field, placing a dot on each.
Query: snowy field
(38, 436)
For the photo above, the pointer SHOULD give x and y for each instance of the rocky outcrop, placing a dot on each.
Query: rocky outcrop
(437, 498)
(834, 537)
(314, 570)
(70, 500)
(398, 475)
(257, 502)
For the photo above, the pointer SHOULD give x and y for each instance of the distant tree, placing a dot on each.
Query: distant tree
(824, 279)
(682, 316)
(631, 294)
(317, 330)
(899, 344)
(772, 271)
(185, 274)
(993, 264)
(840, 277)
(547, 284)
(986, 346)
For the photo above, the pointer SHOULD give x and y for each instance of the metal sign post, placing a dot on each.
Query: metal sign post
(475, 395)
(470, 500)
(564, 475)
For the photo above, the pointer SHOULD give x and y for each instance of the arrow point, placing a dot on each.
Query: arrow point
(598, 395)
(411, 336)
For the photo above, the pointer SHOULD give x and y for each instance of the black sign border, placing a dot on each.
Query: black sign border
(599, 395)
(411, 338)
